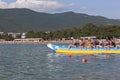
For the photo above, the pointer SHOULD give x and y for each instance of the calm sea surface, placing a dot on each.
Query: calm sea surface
(37, 62)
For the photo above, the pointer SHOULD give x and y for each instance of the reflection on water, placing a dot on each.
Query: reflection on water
(37, 62)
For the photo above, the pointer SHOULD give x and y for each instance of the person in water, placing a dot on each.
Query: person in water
(74, 43)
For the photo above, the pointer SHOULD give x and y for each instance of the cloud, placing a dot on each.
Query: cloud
(37, 5)
(83, 8)
(3, 4)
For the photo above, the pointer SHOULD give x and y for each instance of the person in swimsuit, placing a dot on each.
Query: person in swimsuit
(89, 44)
(82, 43)
(74, 43)
(112, 43)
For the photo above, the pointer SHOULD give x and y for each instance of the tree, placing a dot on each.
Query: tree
(30, 34)
(89, 30)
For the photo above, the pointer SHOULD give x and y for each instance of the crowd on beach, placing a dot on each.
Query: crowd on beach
(94, 43)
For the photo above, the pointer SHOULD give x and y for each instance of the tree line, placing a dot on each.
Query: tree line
(101, 31)
(6, 37)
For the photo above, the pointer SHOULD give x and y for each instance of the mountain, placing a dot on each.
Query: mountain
(21, 20)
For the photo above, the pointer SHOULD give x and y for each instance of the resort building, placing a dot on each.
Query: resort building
(29, 40)
(88, 37)
(14, 34)
(1, 33)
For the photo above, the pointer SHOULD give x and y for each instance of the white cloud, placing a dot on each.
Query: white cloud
(37, 5)
(83, 8)
(3, 4)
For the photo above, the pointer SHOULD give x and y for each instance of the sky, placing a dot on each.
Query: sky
(106, 8)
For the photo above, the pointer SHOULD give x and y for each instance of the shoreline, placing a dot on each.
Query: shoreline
(42, 42)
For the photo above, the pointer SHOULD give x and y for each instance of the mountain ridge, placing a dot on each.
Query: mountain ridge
(21, 20)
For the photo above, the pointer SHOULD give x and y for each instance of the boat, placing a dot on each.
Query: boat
(63, 49)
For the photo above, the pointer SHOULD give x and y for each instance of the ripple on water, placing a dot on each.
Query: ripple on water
(37, 62)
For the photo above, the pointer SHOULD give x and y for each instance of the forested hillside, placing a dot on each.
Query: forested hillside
(22, 20)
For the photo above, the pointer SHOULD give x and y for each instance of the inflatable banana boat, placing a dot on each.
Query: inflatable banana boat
(64, 49)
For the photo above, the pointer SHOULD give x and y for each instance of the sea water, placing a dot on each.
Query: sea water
(37, 62)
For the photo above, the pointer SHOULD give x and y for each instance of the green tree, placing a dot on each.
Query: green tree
(7, 37)
(30, 34)
(89, 30)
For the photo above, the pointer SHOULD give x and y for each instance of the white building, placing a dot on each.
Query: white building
(14, 34)
(29, 40)
(1, 33)
(88, 37)
(23, 36)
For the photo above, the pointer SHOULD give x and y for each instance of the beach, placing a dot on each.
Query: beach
(39, 42)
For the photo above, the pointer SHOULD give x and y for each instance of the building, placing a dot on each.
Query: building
(88, 37)
(29, 40)
(1, 33)
(14, 35)
(23, 36)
